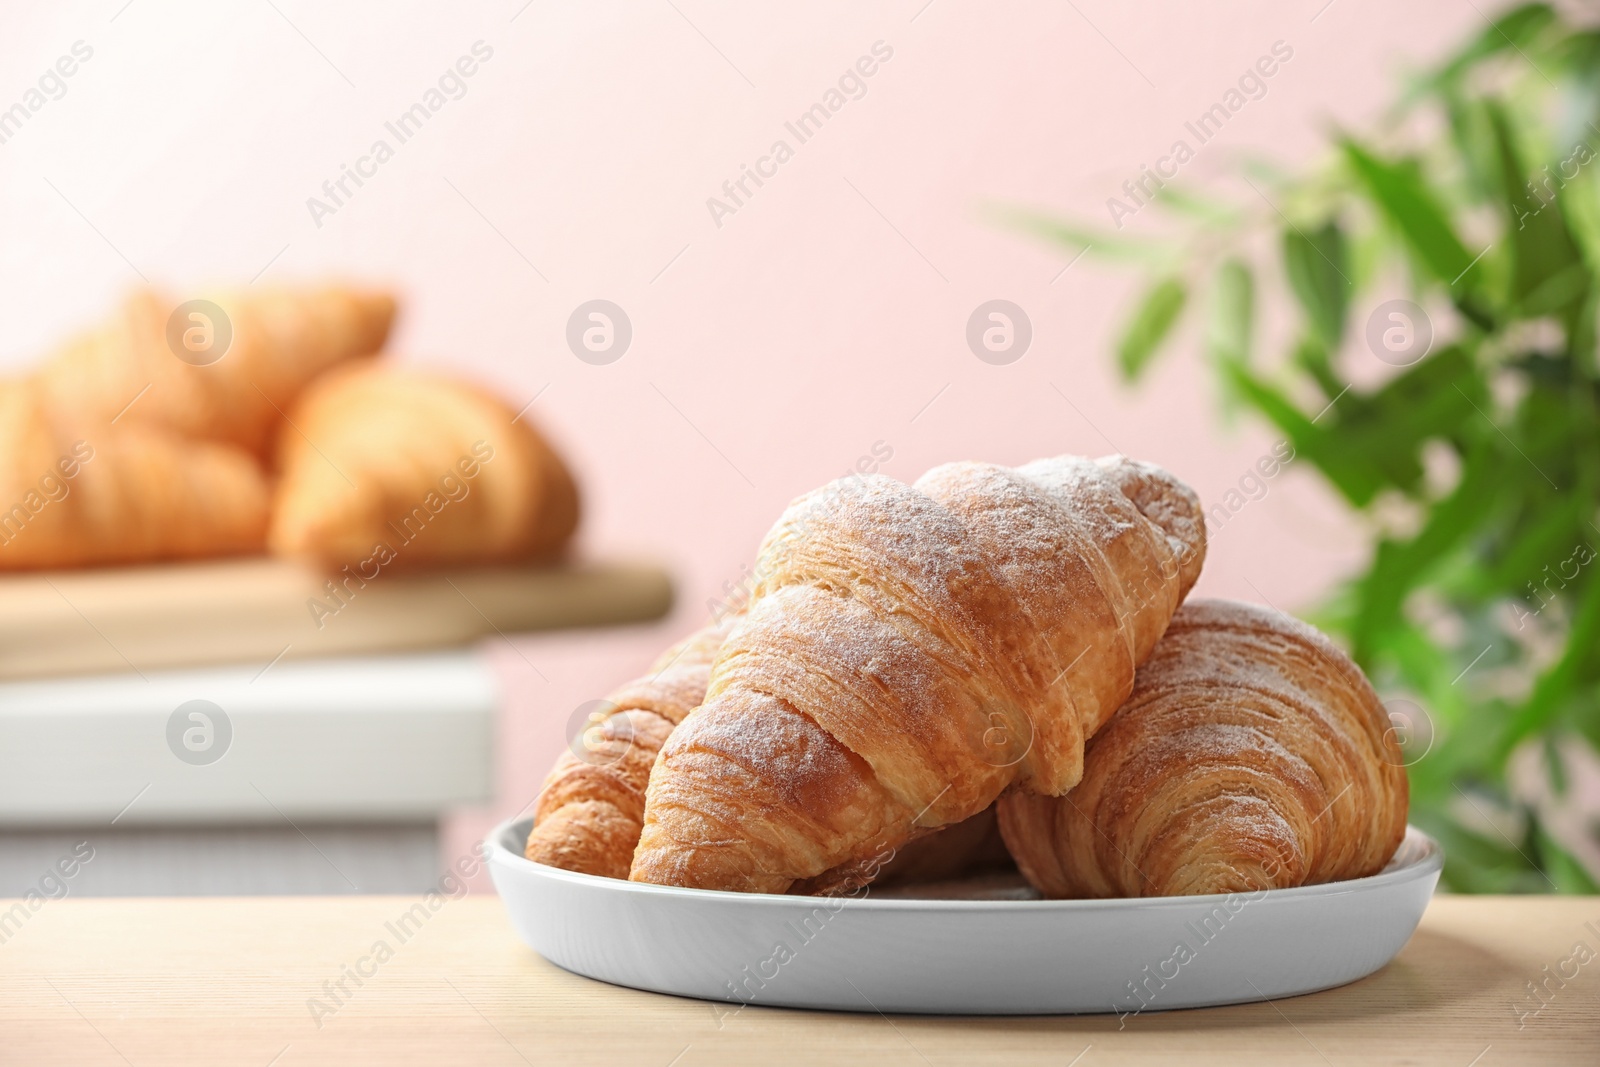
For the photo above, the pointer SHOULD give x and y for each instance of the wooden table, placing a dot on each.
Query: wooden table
(228, 981)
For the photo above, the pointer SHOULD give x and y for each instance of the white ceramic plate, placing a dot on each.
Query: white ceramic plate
(1011, 957)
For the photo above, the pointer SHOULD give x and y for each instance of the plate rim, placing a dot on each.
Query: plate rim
(1429, 863)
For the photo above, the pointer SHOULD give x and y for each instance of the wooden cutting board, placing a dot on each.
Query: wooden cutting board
(262, 610)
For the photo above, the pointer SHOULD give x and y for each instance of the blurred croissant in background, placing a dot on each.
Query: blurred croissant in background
(149, 437)
(430, 469)
(115, 493)
(226, 377)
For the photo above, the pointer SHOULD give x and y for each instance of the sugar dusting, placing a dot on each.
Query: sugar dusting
(1251, 747)
(906, 620)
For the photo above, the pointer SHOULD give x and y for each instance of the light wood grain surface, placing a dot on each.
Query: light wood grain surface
(252, 610)
(211, 981)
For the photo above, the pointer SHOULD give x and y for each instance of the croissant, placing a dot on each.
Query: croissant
(384, 465)
(1253, 754)
(224, 378)
(115, 493)
(909, 652)
(591, 806)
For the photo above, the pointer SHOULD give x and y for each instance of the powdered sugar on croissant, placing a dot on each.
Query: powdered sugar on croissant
(911, 651)
(1253, 754)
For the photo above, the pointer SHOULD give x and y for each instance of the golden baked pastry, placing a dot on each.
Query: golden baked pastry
(1253, 754)
(909, 653)
(101, 493)
(228, 378)
(591, 806)
(390, 466)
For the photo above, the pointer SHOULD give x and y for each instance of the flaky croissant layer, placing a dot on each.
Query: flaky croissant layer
(591, 805)
(911, 651)
(1252, 754)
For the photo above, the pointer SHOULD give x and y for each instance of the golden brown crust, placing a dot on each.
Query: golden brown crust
(88, 493)
(910, 652)
(591, 806)
(1253, 754)
(426, 467)
(281, 339)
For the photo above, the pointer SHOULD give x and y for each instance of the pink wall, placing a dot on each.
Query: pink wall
(768, 353)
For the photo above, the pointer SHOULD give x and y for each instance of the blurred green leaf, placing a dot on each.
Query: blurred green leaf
(1543, 251)
(1579, 54)
(1399, 567)
(1315, 263)
(1511, 30)
(1311, 356)
(1479, 863)
(1534, 541)
(1414, 210)
(1565, 871)
(1183, 202)
(1356, 481)
(1429, 400)
(1556, 685)
(1152, 321)
(1474, 143)
(1580, 205)
(1366, 443)
(1232, 314)
(1102, 244)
